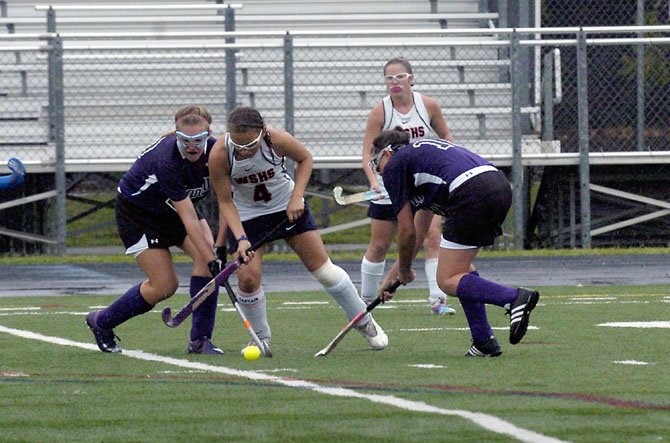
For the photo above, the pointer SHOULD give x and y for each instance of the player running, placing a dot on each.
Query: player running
(251, 184)
(433, 176)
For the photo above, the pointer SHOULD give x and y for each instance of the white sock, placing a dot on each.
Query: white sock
(254, 308)
(345, 294)
(434, 292)
(371, 277)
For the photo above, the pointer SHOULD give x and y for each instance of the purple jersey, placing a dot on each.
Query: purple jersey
(425, 171)
(161, 175)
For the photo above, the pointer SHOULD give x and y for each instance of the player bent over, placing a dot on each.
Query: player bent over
(252, 185)
(436, 176)
(155, 210)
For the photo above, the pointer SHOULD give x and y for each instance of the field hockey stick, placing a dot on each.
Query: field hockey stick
(17, 176)
(265, 349)
(358, 197)
(214, 283)
(349, 326)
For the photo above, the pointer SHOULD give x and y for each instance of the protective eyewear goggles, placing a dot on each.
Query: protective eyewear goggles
(398, 77)
(198, 140)
(247, 146)
(374, 161)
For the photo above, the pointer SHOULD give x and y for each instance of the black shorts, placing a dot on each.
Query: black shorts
(257, 228)
(140, 230)
(476, 210)
(381, 212)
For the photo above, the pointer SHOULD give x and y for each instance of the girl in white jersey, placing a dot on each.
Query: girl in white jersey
(421, 117)
(247, 171)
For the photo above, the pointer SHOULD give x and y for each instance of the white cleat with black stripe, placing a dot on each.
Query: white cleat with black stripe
(519, 313)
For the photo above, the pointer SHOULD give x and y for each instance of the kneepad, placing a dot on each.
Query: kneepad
(328, 274)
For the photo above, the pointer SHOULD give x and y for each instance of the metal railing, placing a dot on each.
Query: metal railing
(130, 83)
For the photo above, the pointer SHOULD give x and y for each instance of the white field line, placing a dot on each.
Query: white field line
(486, 421)
(638, 324)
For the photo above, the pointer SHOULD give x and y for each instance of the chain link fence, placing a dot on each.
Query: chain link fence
(628, 85)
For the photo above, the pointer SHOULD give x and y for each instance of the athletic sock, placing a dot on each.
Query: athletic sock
(254, 307)
(434, 292)
(475, 313)
(371, 277)
(129, 305)
(202, 323)
(345, 294)
(473, 288)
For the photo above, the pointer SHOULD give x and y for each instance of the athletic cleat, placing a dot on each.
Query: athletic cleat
(440, 308)
(489, 348)
(103, 337)
(519, 313)
(267, 352)
(374, 334)
(203, 346)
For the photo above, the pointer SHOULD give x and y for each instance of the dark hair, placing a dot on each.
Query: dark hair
(399, 61)
(395, 138)
(244, 118)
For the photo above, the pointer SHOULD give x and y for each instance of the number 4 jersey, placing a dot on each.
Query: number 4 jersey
(261, 184)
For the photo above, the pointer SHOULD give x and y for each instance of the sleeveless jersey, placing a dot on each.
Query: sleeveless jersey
(161, 175)
(261, 185)
(416, 122)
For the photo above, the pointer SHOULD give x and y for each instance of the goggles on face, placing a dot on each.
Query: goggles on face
(247, 146)
(398, 77)
(198, 140)
(374, 161)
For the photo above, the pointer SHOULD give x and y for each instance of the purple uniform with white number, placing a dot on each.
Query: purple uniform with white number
(160, 175)
(452, 181)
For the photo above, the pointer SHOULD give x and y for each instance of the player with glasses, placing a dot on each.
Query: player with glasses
(252, 185)
(156, 209)
(436, 176)
(421, 117)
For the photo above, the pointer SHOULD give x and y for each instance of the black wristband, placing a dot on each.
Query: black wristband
(242, 237)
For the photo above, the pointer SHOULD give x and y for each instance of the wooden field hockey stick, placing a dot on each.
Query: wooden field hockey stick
(214, 283)
(358, 197)
(349, 326)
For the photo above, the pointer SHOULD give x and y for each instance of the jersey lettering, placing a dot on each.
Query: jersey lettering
(261, 193)
(416, 132)
(258, 177)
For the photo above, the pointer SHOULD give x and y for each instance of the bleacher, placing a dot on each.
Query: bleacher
(120, 93)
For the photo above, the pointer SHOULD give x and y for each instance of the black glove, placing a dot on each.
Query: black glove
(216, 266)
(221, 253)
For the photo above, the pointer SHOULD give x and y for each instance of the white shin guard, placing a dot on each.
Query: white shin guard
(371, 277)
(434, 292)
(339, 285)
(254, 308)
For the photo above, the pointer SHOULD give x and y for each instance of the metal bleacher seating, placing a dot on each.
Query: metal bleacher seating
(134, 92)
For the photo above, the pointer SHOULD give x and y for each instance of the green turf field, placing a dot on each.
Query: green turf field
(572, 378)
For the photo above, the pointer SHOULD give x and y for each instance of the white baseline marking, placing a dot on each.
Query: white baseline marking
(486, 421)
(638, 324)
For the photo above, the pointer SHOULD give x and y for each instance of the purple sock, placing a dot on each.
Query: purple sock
(202, 324)
(129, 305)
(476, 289)
(475, 313)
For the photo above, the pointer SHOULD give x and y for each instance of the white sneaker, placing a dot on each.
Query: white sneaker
(440, 309)
(374, 334)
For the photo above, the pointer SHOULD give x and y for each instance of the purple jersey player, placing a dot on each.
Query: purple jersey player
(155, 210)
(434, 176)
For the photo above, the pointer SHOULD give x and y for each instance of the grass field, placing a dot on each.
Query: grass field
(572, 378)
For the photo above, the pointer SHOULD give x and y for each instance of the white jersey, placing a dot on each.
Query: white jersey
(261, 185)
(416, 122)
